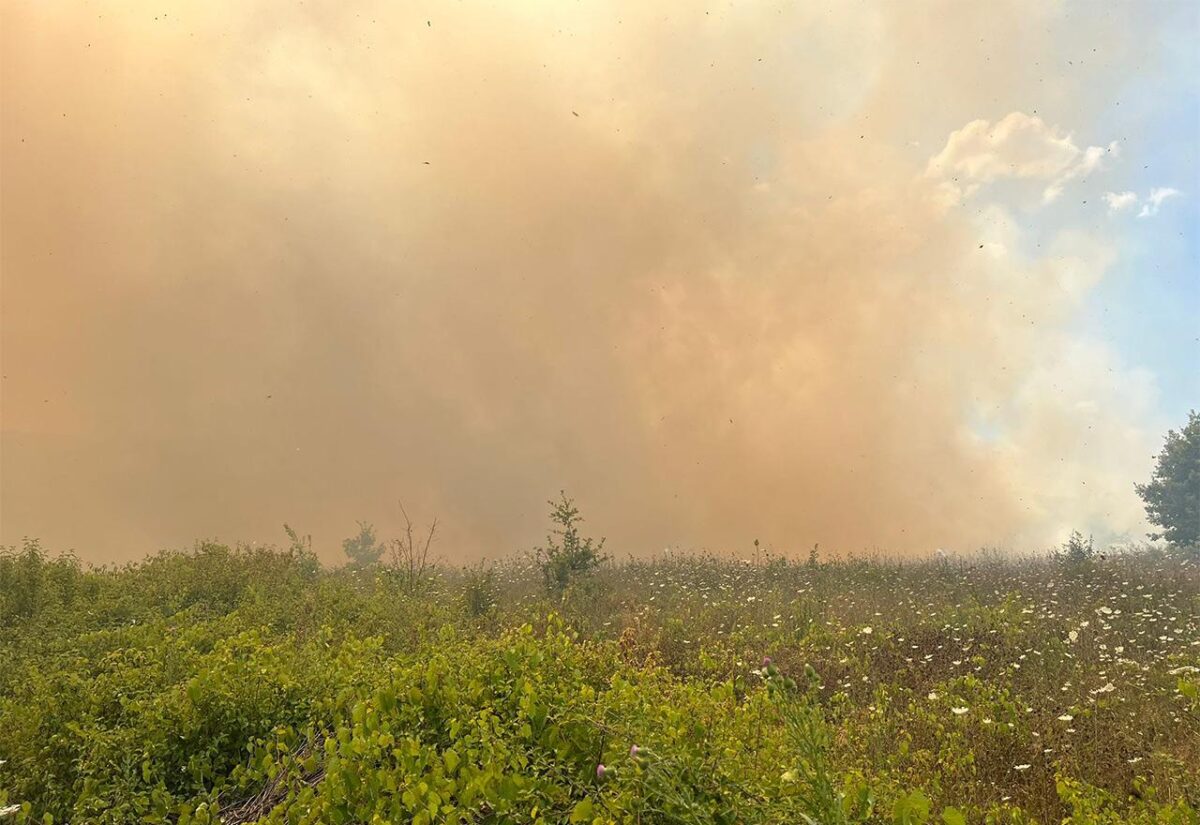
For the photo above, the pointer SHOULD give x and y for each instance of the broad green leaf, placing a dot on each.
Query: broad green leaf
(582, 812)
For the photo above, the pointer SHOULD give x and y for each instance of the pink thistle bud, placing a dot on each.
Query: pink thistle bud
(633, 751)
(601, 770)
(766, 661)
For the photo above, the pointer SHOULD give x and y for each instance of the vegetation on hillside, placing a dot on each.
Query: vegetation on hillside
(251, 685)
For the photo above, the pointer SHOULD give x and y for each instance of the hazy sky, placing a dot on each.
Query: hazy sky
(874, 275)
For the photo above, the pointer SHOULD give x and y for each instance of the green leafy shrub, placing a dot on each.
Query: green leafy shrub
(1077, 549)
(479, 591)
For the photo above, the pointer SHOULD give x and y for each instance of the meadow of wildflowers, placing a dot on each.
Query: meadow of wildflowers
(251, 685)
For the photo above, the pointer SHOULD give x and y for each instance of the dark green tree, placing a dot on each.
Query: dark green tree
(363, 550)
(1172, 496)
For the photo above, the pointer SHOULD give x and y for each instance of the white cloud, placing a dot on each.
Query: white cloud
(1119, 201)
(1155, 200)
(1019, 146)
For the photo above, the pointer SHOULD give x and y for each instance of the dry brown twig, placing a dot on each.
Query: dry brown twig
(254, 808)
(410, 558)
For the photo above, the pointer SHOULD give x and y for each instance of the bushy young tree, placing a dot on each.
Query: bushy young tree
(567, 555)
(1172, 496)
(363, 550)
(1077, 549)
(301, 549)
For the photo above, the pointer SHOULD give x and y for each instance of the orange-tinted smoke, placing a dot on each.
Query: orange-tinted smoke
(269, 262)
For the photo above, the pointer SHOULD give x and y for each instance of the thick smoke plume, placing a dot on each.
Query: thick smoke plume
(270, 261)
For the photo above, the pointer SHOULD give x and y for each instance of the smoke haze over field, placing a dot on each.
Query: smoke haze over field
(759, 270)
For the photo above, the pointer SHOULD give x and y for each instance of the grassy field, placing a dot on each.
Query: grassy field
(243, 685)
